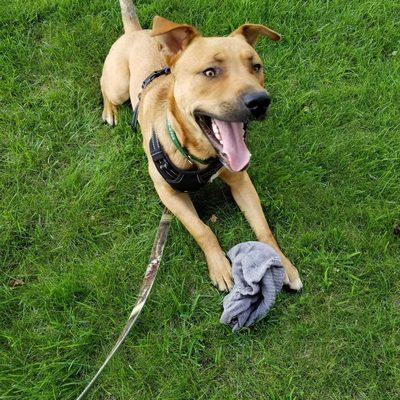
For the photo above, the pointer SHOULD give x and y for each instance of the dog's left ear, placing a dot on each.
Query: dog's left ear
(251, 32)
(173, 38)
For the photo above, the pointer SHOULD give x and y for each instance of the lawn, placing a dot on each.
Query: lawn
(78, 212)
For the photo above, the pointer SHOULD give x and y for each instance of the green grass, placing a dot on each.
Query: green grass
(79, 212)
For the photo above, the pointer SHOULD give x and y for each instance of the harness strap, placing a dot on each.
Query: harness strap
(145, 83)
(181, 180)
(154, 75)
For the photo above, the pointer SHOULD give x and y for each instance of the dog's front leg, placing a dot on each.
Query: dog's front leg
(248, 201)
(182, 207)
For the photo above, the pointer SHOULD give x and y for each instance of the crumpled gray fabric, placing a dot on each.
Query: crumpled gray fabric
(258, 278)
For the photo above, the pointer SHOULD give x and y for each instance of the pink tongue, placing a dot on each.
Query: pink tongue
(232, 134)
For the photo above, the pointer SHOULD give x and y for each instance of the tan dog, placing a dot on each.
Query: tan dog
(215, 88)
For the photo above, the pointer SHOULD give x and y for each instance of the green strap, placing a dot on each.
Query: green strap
(190, 157)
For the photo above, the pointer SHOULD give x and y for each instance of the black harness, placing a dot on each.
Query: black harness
(181, 180)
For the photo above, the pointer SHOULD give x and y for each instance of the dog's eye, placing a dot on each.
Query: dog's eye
(257, 67)
(210, 72)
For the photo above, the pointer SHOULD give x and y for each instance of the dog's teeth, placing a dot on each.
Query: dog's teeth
(216, 131)
(214, 127)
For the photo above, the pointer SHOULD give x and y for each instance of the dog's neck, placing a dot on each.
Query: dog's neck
(188, 133)
(159, 102)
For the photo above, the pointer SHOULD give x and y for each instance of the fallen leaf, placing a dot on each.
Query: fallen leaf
(14, 282)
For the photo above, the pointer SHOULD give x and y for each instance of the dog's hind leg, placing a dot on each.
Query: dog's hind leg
(115, 90)
(109, 114)
(115, 80)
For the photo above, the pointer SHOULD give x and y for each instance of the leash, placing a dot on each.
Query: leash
(147, 284)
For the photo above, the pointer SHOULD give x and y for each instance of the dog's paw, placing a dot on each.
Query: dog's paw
(110, 115)
(296, 284)
(220, 271)
(292, 278)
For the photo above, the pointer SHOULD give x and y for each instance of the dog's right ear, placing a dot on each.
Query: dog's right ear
(251, 32)
(173, 38)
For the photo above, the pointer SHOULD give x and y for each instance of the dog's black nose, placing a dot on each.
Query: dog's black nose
(257, 103)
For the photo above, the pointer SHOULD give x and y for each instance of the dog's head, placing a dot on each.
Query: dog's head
(218, 84)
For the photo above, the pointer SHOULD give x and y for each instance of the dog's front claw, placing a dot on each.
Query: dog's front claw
(220, 271)
(292, 278)
(296, 284)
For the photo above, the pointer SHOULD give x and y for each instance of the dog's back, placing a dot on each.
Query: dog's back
(130, 60)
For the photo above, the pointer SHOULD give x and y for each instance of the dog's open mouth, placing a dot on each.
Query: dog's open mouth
(228, 139)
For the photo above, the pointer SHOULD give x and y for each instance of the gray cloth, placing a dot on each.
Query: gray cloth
(258, 278)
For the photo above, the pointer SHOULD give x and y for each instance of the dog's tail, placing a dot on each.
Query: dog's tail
(129, 16)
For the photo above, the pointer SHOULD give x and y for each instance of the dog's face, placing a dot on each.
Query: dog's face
(218, 85)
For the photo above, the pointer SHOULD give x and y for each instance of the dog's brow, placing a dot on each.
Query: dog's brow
(248, 55)
(219, 57)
